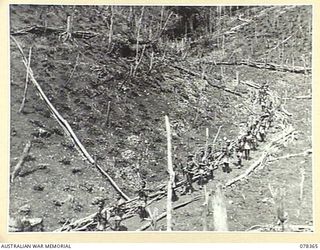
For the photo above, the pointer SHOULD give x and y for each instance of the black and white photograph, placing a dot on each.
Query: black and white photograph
(159, 118)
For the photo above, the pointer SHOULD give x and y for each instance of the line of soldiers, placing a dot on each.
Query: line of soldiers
(209, 160)
(203, 164)
(110, 216)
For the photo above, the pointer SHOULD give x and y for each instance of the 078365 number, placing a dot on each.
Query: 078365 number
(308, 246)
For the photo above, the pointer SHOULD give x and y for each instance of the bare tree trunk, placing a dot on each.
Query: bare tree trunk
(207, 143)
(215, 138)
(111, 27)
(171, 176)
(205, 209)
(138, 34)
(302, 172)
(108, 115)
(219, 210)
(210, 21)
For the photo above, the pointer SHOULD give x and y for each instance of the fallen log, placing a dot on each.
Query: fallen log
(273, 228)
(37, 29)
(268, 66)
(262, 158)
(303, 97)
(19, 165)
(65, 125)
(251, 84)
(248, 171)
(304, 153)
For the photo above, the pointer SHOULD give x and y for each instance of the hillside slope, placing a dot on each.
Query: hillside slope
(142, 84)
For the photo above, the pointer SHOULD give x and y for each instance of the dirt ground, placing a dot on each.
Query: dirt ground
(81, 76)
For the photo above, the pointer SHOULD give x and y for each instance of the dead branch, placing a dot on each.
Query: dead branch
(248, 170)
(299, 228)
(153, 218)
(291, 228)
(268, 66)
(304, 153)
(108, 115)
(246, 22)
(151, 61)
(66, 35)
(36, 29)
(138, 62)
(303, 97)
(216, 137)
(164, 214)
(73, 70)
(65, 125)
(285, 111)
(78, 223)
(251, 84)
(26, 83)
(18, 167)
(161, 29)
(84, 227)
(235, 29)
(285, 40)
(138, 34)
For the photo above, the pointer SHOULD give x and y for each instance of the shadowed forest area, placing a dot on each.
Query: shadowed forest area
(101, 95)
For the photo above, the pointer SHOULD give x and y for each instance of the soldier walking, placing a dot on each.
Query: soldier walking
(246, 146)
(189, 173)
(239, 151)
(118, 213)
(226, 157)
(142, 202)
(262, 131)
(202, 166)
